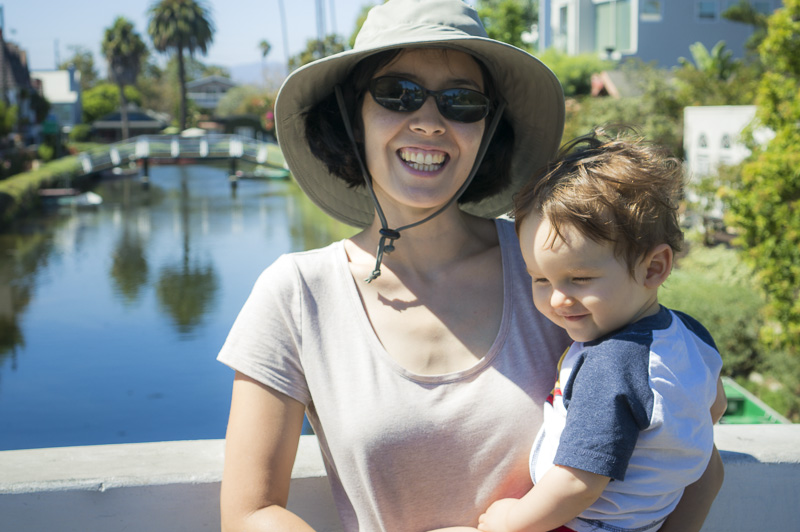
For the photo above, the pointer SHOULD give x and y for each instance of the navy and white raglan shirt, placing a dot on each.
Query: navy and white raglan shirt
(633, 406)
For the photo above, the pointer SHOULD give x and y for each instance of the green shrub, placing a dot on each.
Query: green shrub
(574, 71)
(46, 152)
(80, 133)
(712, 285)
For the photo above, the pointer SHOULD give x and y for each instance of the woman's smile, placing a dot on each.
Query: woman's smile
(423, 160)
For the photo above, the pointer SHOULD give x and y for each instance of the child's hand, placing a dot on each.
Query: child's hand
(495, 519)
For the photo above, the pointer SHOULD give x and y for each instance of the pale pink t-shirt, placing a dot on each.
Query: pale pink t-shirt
(404, 452)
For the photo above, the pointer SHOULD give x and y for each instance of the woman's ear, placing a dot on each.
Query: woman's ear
(659, 265)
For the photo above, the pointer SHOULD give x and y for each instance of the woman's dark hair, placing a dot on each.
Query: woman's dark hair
(326, 137)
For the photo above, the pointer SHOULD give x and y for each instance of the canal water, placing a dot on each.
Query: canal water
(111, 318)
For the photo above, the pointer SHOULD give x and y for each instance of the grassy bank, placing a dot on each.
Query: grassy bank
(19, 193)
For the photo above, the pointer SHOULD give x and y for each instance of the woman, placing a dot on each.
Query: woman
(419, 135)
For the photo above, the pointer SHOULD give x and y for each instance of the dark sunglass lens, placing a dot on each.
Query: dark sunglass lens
(463, 105)
(397, 94)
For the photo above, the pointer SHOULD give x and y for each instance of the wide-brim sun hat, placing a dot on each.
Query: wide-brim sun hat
(533, 94)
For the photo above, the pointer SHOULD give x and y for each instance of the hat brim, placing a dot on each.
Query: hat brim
(535, 108)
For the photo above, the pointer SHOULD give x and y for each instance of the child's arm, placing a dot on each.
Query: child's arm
(562, 494)
(720, 403)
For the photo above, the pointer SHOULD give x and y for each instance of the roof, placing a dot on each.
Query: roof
(210, 81)
(13, 65)
(137, 119)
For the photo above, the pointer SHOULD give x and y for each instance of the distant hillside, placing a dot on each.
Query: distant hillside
(270, 74)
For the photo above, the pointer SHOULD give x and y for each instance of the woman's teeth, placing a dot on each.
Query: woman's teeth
(425, 162)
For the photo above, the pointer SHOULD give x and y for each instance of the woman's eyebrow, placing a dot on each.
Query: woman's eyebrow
(448, 84)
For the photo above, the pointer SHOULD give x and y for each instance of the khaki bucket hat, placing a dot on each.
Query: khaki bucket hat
(535, 101)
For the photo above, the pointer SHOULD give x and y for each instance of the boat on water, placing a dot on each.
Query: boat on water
(264, 172)
(69, 197)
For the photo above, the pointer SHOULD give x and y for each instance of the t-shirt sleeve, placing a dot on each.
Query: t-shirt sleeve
(265, 342)
(609, 401)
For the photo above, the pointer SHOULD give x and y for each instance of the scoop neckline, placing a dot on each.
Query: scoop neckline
(444, 378)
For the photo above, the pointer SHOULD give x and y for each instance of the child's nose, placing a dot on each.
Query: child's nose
(560, 299)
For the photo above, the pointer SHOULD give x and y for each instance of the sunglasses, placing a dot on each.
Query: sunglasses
(405, 96)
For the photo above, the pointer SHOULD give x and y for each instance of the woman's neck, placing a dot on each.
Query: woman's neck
(448, 238)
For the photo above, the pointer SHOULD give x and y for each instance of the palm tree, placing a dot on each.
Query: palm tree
(124, 50)
(265, 47)
(181, 25)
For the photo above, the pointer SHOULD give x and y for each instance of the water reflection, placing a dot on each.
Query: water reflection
(187, 289)
(110, 319)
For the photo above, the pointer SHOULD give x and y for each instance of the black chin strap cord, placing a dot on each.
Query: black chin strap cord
(393, 234)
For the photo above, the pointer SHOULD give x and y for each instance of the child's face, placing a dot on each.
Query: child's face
(580, 284)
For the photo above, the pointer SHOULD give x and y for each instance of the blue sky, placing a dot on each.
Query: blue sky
(41, 26)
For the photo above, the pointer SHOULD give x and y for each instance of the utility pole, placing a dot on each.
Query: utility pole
(284, 32)
(320, 27)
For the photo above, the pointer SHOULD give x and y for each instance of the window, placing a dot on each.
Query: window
(765, 8)
(651, 10)
(560, 37)
(702, 141)
(707, 11)
(726, 142)
(612, 29)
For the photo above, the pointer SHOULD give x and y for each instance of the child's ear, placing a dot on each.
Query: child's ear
(659, 265)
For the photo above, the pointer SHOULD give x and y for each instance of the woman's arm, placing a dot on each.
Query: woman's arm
(260, 447)
(697, 499)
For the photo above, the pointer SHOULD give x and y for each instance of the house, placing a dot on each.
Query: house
(207, 92)
(712, 137)
(62, 88)
(657, 31)
(17, 88)
(140, 122)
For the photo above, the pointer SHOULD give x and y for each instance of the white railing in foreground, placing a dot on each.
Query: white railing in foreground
(174, 486)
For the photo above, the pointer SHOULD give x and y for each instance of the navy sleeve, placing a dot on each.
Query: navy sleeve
(609, 401)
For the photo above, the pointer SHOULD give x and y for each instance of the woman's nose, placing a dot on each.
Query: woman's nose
(427, 119)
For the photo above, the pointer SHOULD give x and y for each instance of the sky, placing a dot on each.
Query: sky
(46, 29)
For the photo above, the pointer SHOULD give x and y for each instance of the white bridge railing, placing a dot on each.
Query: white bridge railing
(165, 147)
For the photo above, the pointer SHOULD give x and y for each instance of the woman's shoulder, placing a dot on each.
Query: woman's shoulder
(304, 267)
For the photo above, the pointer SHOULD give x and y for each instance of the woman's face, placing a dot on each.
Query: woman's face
(418, 160)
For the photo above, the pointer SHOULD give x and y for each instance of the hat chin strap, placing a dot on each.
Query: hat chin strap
(393, 234)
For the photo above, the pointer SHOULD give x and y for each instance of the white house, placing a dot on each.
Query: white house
(651, 30)
(712, 136)
(62, 88)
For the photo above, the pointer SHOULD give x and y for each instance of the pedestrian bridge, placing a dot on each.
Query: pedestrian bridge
(174, 148)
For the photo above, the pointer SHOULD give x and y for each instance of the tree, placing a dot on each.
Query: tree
(124, 51)
(316, 49)
(265, 47)
(8, 118)
(765, 205)
(83, 61)
(508, 20)
(181, 26)
(654, 111)
(745, 13)
(715, 77)
(103, 99)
